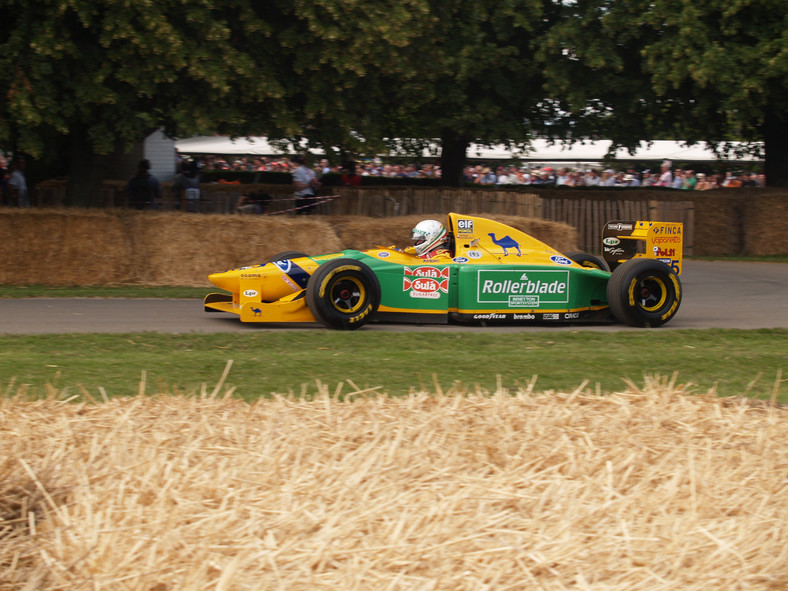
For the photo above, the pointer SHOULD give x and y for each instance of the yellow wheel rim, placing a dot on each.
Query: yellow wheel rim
(347, 294)
(651, 293)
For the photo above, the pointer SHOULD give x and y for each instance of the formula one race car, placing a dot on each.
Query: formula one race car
(494, 274)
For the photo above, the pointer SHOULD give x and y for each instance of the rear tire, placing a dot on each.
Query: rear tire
(644, 292)
(588, 260)
(343, 294)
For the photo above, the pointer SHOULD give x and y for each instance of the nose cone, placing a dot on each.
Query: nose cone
(227, 280)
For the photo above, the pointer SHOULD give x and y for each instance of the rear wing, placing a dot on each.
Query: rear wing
(624, 240)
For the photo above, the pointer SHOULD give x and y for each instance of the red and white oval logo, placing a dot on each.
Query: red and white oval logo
(426, 284)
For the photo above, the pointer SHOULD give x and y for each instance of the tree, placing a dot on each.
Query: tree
(334, 60)
(707, 70)
(471, 76)
(101, 75)
(418, 70)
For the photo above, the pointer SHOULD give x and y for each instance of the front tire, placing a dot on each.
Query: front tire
(285, 255)
(644, 292)
(343, 294)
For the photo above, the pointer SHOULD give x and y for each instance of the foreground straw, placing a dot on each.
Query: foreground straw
(645, 489)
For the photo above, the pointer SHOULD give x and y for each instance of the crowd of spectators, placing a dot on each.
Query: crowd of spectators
(666, 176)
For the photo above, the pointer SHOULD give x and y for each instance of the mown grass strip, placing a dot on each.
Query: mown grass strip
(731, 362)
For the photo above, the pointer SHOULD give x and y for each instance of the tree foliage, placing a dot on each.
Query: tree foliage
(90, 77)
(102, 74)
(118, 69)
(703, 70)
(471, 77)
(329, 56)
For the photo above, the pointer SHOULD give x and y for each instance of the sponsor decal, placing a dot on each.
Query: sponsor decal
(519, 289)
(426, 282)
(474, 254)
(524, 316)
(506, 243)
(619, 227)
(360, 316)
(491, 316)
(675, 230)
(290, 283)
(666, 239)
(524, 301)
(666, 261)
(560, 260)
(464, 228)
(384, 254)
(666, 252)
(250, 275)
(460, 260)
(523, 286)
(425, 287)
(433, 272)
(614, 251)
(250, 293)
(572, 315)
(611, 241)
(550, 316)
(294, 276)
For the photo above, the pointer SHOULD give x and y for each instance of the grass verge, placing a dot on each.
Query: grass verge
(730, 362)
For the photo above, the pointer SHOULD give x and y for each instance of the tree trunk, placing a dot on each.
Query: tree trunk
(453, 154)
(775, 139)
(85, 171)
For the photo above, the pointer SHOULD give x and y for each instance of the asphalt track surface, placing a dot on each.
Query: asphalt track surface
(716, 295)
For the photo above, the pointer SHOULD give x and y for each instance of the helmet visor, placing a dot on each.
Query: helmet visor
(418, 237)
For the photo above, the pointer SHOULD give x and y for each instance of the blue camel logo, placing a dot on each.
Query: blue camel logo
(506, 243)
(257, 311)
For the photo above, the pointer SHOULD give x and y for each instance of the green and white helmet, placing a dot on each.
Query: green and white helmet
(427, 235)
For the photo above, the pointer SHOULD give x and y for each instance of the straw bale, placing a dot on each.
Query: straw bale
(766, 220)
(185, 249)
(59, 247)
(121, 246)
(641, 489)
(105, 247)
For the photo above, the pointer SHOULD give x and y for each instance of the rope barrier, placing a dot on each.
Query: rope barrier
(322, 199)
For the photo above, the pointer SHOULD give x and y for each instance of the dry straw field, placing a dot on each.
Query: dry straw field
(649, 488)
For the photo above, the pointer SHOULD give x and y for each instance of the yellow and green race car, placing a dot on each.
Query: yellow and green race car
(496, 274)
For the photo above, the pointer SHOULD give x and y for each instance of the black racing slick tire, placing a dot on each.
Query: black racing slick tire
(644, 292)
(343, 294)
(285, 255)
(588, 260)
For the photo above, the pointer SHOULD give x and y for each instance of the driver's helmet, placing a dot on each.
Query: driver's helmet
(427, 235)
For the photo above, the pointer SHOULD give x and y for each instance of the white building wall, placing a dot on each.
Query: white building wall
(160, 150)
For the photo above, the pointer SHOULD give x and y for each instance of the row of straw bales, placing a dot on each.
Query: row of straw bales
(747, 221)
(648, 488)
(113, 247)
